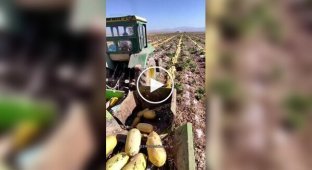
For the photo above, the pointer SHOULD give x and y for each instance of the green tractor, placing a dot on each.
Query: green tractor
(128, 53)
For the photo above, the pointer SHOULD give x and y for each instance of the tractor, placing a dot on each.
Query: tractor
(128, 53)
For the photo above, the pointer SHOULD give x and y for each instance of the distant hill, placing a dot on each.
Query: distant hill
(180, 29)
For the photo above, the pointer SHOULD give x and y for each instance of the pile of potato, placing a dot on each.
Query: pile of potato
(131, 159)
(146, 113)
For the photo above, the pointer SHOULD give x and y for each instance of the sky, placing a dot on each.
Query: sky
(161, 14)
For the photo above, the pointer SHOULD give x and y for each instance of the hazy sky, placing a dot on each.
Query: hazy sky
(161, 14)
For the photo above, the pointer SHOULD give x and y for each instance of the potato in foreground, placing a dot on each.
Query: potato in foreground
(117, 162)
(156, 152)
(138, 162)
(111, 142)
(133, 142)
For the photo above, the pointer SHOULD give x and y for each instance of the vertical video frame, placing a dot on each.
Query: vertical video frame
(155, 79)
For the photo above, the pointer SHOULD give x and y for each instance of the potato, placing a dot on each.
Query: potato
(149, 114)
(140, 114)
(133, 142)
(138, 162)
(156, 152)
(111, 142)
(117, 162)
(145, 127)
(135, 121)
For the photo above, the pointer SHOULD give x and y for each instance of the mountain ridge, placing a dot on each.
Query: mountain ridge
(180, 29)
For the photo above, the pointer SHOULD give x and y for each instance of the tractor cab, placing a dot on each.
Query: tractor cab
(126, 36)
(128, 52)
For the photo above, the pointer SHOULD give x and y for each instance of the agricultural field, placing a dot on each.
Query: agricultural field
(183, 55)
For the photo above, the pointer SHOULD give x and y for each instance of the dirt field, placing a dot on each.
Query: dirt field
(189, 81)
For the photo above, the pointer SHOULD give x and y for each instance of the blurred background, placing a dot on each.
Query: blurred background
(51, 84)
(260, 112)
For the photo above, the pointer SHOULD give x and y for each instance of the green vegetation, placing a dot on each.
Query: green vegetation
(186, 64)
(298, 106)
(202, 52)
(180, 66)
(230, 93)
(199, 93)
(225, 87)
(179, 87)
(178, 77)
(169, 54)
(192, 50)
